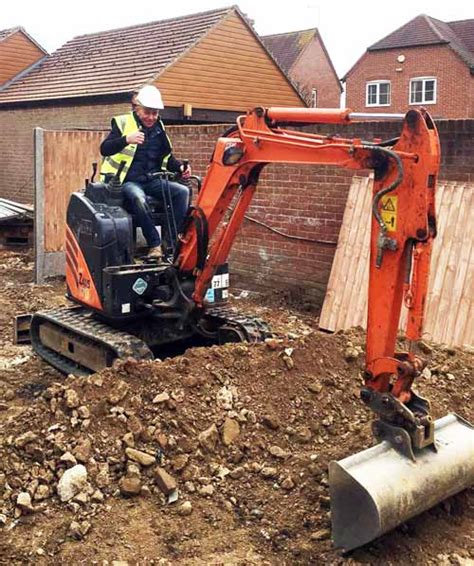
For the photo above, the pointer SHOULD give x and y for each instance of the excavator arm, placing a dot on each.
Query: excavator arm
(402, 231)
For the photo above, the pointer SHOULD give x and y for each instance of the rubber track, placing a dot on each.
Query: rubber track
(80, 321)
(255, 329)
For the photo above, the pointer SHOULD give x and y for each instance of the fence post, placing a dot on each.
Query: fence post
(38, 138)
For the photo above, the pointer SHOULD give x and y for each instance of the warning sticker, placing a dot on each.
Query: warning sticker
(389, 212)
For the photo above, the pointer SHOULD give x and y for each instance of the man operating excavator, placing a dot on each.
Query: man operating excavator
(139, 140)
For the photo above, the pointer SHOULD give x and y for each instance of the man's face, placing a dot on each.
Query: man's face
(148, 116)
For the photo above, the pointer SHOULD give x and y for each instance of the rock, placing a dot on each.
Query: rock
(42, 492)
(119, 393)
(23, 501)
(25, 438)
(72, 399)
(141, 457)
(97, 496)
(129, 439)
(164, 480)
(185, 509)
(83, 450)
(133, 469)
(225, 398)
(209, 438)
(272, 343)
(322, 534)
(79, 530)
(315, 387)
(135, 426)
(84, 412)
(271, 422)
(278, 452)
(237, 473)
(102, 479)
(72, 482)
(3, 519)
(82, 498)
(130, 485)
(288, 484)
(207, 490)
(178, 463)
(68, 459)
(268, 472)
(161, 397)
(351, 354)
(290, 364)
(230, 431)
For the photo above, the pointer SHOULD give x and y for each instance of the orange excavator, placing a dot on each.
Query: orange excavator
(124, 308)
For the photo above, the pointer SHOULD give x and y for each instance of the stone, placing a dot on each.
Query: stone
(141, 457)
(278, 452)
(271, 422)
(237, 473)
(72, 482)
(102, 479)
(164, 480)
(288, 484)
(268, 472)
(315, 387)
(209, 438)
(351, 354)
(83, 450)
(79, 530)
(185, 509)
(68, 459)
(129, 439)
(161, 397)
(72, 399)
(178, 463)
(84, 412)
(289, 362)
(23, 501)
(272, 343)
(130, 485)
(42, 492)
(207, 490)
(97, 496)
(25, 438)
(135, 426)
(322, 534)
(119, 393)
(225, 398)
(230, 431)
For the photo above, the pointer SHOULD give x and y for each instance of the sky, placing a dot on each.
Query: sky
(347, 28)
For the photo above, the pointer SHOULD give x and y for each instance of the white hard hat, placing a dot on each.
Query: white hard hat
(150, 97)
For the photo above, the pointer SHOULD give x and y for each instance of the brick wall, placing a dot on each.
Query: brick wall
(455, 84)
(305, 202)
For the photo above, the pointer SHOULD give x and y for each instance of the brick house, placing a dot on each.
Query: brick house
(209, 66)
(303, 56)
(425, 62)
(18, 53)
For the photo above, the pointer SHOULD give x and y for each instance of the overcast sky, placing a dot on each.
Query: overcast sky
(347, 28)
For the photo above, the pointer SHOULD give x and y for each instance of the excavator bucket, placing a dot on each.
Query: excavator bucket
(377, 489)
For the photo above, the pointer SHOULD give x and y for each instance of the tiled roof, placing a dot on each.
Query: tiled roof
(112, 62)
(286, 47)
(424, 30)
(4, 33)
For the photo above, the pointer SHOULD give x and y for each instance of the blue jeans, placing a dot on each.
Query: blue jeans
(134, 195)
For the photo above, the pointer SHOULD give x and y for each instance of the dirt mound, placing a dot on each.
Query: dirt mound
(216, 456)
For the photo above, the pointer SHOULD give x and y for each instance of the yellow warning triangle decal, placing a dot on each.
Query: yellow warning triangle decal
(388, 205)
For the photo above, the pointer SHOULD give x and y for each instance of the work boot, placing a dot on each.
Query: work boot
(155, 253)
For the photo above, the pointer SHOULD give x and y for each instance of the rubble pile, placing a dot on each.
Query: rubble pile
(185, 451)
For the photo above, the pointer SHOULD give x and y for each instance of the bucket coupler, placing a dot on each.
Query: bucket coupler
(377, 489)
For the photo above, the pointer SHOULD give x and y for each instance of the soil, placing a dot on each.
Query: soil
(241, 434)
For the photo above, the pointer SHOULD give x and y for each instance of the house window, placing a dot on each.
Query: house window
(314, 98)
(378, 93)
(423, 90)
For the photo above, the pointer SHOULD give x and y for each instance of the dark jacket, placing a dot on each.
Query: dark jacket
(148, 156)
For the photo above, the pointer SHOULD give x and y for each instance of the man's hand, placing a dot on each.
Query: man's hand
(185, 171)
(137, 137)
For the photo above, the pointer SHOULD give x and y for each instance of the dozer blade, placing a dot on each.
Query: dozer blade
(377, 489)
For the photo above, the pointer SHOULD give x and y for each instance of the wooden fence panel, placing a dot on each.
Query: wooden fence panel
(450, 304)
(63, 160)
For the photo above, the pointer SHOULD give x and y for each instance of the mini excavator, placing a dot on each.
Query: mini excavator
(126, 308)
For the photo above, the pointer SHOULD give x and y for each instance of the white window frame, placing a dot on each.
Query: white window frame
(423, 101)
(314, 98)
(377, 83)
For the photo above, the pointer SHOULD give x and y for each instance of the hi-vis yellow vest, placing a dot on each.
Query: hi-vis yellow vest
(127, 125)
